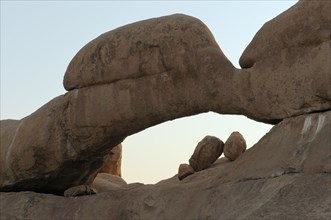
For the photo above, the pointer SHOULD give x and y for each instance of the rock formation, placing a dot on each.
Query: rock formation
(128, 79)
(120, 87)
(209, 149)
(105, 182)
(234, 146)
(286, 175)
(80, 190)
(113, 163)
(206, 153)
(184, 170)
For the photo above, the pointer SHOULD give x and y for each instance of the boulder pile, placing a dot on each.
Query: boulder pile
(209, 149)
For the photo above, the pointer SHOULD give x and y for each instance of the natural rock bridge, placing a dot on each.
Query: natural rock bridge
(161, 69)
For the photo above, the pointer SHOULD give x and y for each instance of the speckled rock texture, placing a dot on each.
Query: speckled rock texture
(234, 146)
(206, 153)
(184, 170)
(286, 175)
(161, 69)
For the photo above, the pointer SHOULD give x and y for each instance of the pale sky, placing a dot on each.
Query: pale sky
(39, 38)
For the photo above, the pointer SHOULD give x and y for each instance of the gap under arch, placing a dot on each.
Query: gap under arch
(155, 154)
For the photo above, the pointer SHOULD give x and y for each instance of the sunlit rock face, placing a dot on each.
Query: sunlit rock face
(161, 69)
(113, 163)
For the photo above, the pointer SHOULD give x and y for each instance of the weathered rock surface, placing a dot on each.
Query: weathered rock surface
(234, 146)
(105, 182)
(50, 161)
(164, 46)
(293, 48)
(81, 190)
(167, 68)
(184, 170)
(206, 153)
(113, 162)
(286, 175)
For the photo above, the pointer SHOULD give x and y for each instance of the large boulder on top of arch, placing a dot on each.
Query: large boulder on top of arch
(160, 69)
(171, 45)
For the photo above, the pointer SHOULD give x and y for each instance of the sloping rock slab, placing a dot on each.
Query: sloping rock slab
(295, 196)
(285, 175)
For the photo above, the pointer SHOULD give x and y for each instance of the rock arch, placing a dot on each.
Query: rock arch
(154, 154)
(160, 69)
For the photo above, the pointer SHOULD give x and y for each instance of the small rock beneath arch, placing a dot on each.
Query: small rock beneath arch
(80, 190)
(184, 170)
(234, 146)
(206, 153)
